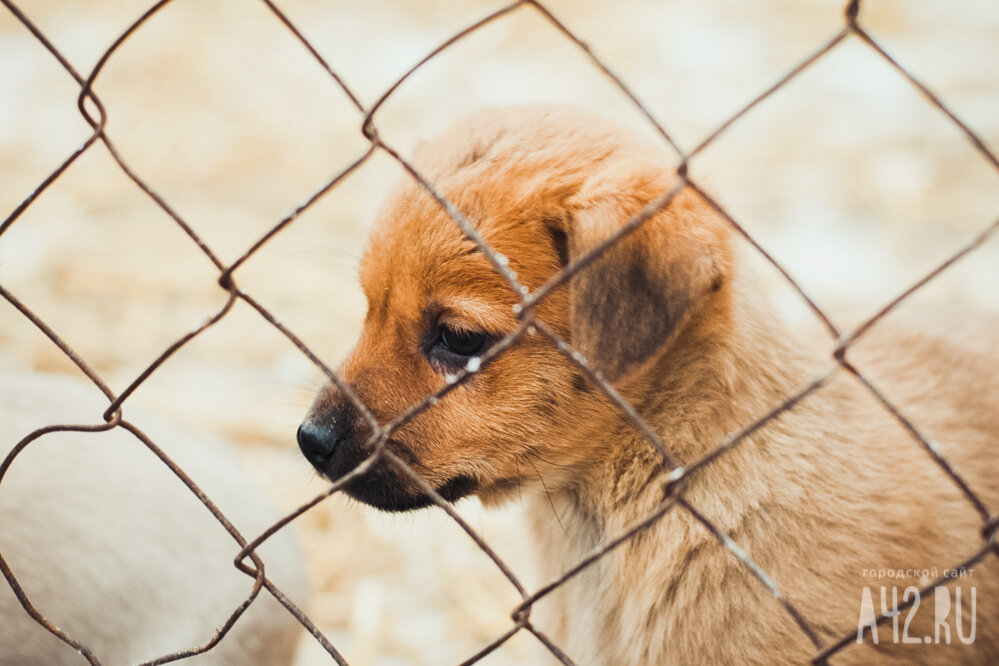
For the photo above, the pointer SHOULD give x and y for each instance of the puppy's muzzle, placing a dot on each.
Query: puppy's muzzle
(334, 439)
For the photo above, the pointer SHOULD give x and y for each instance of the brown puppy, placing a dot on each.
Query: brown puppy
(827, 498)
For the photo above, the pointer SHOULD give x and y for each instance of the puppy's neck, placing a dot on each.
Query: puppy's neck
(734, 362)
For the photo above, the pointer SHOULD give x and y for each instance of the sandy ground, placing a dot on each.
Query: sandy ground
(847, 176)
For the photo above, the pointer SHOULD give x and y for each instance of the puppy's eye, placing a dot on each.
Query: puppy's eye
(462, 343)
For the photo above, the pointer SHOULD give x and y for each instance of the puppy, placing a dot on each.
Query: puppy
(111, 547)
(827, 498)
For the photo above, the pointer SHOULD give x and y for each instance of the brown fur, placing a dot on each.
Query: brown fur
(818, 497)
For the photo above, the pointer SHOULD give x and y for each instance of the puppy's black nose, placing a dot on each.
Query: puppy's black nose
(318, 443)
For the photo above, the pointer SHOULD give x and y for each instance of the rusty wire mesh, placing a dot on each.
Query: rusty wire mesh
(247, 561)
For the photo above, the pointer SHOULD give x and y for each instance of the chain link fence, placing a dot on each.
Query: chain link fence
(96, 114)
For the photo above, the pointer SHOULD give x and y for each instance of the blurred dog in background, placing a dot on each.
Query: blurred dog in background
(112, 548)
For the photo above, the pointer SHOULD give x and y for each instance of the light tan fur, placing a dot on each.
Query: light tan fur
(112, 548)
(821, 497)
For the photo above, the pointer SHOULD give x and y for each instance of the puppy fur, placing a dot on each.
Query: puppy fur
(820, 497)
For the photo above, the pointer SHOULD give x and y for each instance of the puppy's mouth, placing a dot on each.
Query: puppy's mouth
(386, 487)
(383, 488)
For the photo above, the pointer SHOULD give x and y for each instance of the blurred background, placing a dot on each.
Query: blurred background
(846, 175)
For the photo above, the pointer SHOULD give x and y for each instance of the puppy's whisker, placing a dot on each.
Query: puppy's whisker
(548, 462)
(551, 502)
(520, 486)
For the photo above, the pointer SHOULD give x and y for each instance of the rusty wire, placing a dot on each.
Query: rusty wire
(675, 475)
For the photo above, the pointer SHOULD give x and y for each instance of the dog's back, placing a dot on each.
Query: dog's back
(939, 369)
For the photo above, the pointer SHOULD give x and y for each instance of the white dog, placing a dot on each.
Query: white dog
(112, 548)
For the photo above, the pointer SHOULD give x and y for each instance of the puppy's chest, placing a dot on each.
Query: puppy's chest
(619, 609)
(617, 614)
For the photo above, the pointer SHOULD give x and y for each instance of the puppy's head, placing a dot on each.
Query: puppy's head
(543, 186)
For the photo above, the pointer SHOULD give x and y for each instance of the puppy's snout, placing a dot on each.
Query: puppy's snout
(318, 442)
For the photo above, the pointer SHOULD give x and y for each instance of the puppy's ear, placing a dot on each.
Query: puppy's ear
(634, 299)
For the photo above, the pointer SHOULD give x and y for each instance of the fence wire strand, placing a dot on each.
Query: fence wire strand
(673, 475)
